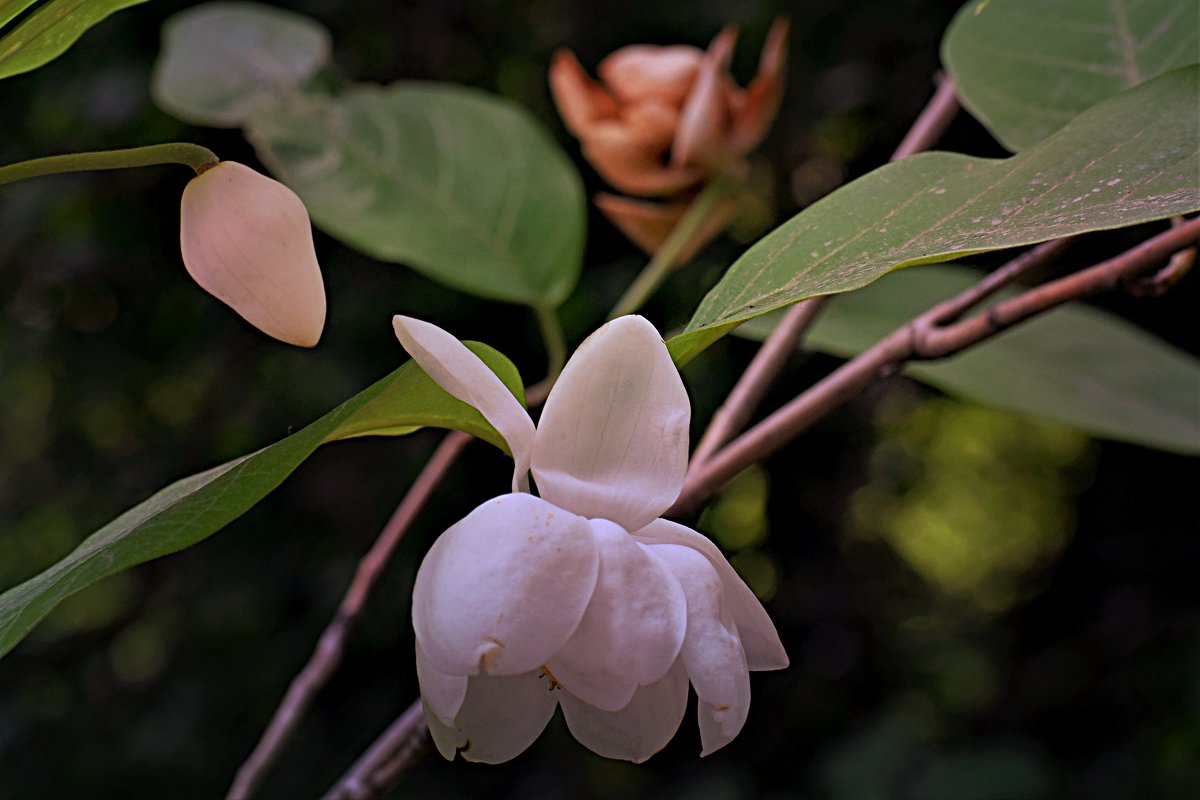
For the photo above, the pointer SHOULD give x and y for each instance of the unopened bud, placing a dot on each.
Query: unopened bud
(247, 240)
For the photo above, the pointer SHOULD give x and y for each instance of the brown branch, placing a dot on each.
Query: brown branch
(933, 120)
(1161, 282)
(735, 412)
(738, 407)
(927, 336)
(328, 652)
(386, 760)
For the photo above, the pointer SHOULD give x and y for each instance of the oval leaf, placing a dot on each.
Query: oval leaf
(196, 507)
(1077, 365)
(221, 61)
(1027, 67)
(50, 31)
(462, 186)
(1131, 159)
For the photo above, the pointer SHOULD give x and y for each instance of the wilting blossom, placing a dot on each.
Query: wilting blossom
(247, 240)
(663, 121)
(582, 597)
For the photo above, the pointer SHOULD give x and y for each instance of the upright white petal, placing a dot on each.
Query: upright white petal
(612, 440)
(246, 239)
(502, 590)
(500, 717)
(764, 651)
(712, 651)
(637, 731)
(632, 629)
(441, 692)
(462, 374)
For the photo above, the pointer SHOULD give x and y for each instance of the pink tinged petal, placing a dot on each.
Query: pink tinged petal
(581, 101)
(499, 719)
(631, 166)
(246, 239)
(632, 630)
(712, 651)
(755, 109)
(502, 590)
(441, 692)
(649, 224)
(763, 649)
(642, 71)
(704, 120)
(637, 731)
(462, 374)
(612, 440)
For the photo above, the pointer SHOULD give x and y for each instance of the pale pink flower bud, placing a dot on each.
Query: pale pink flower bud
(247, 240)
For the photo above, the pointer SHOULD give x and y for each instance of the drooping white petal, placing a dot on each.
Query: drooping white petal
(441, 692)
(760, 640)
(502, 590)
(637, 731)
(712, 651)
(462, 374)
(612, 440)
(499, 718)
(246, 239)
(632, 630)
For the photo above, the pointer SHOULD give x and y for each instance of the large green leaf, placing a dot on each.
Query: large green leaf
(11, 9)
(462, 186)
(1027, 67)
(196, 507)
(1076, 364)
(50, 30)
(221, 61)
(1128, 160)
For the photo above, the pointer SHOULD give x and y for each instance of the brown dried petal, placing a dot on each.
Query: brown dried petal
(704, 120)
(581, 101)
(643, 71)
(755, 109)
(649, 224)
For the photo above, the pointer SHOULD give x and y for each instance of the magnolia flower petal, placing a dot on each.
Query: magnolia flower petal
(462, 374)
(630, 166)
(500, 717)
(756, 108)
(502, 590)
(441, 692)
(643, 71)
(581, 101)
(632, 629)
(247, 240)
(649, 224)
(612, 440)
(650, 124)
(712, 651)
(641, 728)
(763, 649)
(704, 120)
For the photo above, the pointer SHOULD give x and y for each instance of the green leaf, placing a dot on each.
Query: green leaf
(1027, 67)
(222, 61)
(462, 186)
(49, 31)
(1076, 365)
(196, 507)
(1130, 159)
(11, 9)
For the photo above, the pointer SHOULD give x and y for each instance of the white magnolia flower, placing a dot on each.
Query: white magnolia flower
(247, 240)
(582, 597)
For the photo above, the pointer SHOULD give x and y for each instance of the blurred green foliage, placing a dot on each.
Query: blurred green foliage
(119, 375)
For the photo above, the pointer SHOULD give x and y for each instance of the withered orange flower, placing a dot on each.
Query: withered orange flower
(663, 121)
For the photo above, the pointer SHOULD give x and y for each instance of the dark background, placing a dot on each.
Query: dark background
(976, 605)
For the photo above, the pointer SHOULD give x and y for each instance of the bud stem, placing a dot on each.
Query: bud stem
(191, 155)
(660, 265)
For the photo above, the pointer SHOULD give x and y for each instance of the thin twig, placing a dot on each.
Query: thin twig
(925, 337)
(386, 760)
(739, 406)
(1161, 282)
(735, 412)
(932, 121)
(328, 653)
